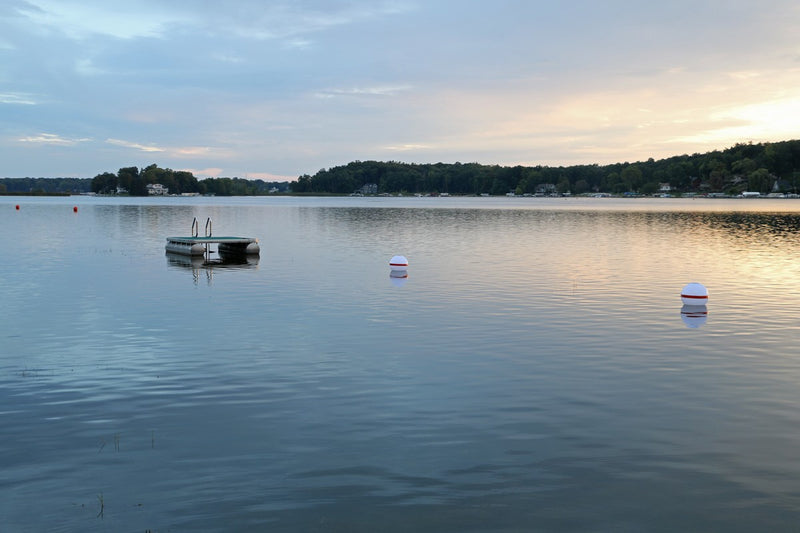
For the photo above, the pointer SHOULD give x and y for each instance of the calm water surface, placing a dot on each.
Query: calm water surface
(533, 372)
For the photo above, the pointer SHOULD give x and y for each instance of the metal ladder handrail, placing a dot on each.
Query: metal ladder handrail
(195, 227)
(208, 234)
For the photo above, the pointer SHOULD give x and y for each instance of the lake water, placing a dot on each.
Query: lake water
(534, 371)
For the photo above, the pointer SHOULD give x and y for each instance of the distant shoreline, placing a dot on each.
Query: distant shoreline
(38, 194)
(336, 195)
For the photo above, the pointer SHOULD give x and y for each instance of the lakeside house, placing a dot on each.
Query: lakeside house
(156, 189)
(368, 188)
(546, 189)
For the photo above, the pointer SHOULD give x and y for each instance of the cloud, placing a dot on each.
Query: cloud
(53, 139)
(771, 120)
(135, 146)
(255, 20)
(211, 172)
(80, 19)
(287, 20)
(406, 147)
(86, 67)
(170, 151)
(17, 99)
(216, 172)
(191, 151)
(298, 43)
(227, 58)
(268, 176)
(291, 86)
(664, 113)
(384, 90)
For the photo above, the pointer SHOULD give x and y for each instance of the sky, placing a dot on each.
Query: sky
(277, 89)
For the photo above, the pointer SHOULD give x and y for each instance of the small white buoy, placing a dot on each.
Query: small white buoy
(398, 262)
(694, 294)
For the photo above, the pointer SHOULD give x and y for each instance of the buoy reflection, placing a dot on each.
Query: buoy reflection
(398, 277)
(694, 316)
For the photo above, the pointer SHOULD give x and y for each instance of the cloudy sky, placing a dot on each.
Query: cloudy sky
(275, 89)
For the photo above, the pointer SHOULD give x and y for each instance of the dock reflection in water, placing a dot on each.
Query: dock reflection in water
(223, 261)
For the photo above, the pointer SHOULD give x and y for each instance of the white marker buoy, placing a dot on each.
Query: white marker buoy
(694, 294)
(398, 262)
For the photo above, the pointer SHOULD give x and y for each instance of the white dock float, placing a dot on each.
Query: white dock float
(198, 246)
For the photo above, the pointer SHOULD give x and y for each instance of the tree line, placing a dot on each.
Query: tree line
(35, 186)
(134, 181)
(743, 167)
(762, 167)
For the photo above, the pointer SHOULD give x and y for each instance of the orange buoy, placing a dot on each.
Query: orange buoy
(17, 207)
(75, 209)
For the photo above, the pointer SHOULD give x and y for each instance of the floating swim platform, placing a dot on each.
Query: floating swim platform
(195, 245)
(225, 245)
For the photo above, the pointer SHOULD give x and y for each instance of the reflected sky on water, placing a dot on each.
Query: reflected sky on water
(535, 370)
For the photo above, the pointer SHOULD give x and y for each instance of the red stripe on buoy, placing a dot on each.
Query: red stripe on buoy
(398, 264)
(692, 296)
